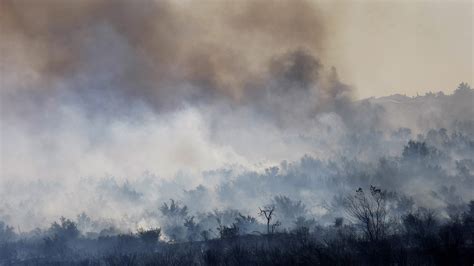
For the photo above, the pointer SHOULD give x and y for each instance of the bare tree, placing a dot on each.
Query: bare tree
(370, 211)
(268, 212)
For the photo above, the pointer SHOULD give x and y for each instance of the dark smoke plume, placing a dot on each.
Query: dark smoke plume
(104, 54)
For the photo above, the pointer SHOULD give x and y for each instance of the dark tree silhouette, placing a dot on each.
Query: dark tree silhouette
(193, 228)
(420, 228)
(464, 86)
(175, 217)
(415, 150)
(6, 232)
(246, 224)
(64, 230)
(227, 232)
(268, 213)
(369, 211)
(174, 209)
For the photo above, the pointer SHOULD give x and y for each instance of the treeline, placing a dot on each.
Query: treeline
(367, 225)
(370, 233)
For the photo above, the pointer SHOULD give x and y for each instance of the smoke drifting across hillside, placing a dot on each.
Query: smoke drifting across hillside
(107, 106)
(97, 70)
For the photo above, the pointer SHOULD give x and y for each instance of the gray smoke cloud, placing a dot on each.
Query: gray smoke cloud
(159, 53)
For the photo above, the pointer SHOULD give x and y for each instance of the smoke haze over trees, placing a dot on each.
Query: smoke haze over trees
(125, 127)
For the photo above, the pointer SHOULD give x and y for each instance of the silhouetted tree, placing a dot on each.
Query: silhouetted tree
(370, 212)
(205, 235)
(6, 232)
(420, 228)
(193, 228)
(246, 224)
(174, 209)
(175, 216)
(227, 232)
(64, 230)
(463, 86)
(301, 222)
(268, 213)
(288, 209)
(468, 221)
(415, 149)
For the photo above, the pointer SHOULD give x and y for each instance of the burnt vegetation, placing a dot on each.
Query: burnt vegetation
(375, 221)
(420, 237)
(370, 233)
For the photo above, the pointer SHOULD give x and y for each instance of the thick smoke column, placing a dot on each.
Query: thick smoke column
(160, 53)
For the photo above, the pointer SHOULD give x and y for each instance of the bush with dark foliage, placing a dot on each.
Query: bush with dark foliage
(422, 238)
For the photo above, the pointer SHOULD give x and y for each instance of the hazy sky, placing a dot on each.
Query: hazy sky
(387, 47)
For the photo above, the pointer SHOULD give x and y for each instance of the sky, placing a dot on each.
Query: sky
(406, 47)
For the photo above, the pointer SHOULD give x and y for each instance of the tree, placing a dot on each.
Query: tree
(193, 228)
(227, 232)
(289, 210)
(173, 209)
(370, 212)
(415, 149)
(6, 232)
(175, 216)
(205, 235)
(468, 221)
(247, 224)
(420, 228)
(463, 86)
(64, 230)
(268, 212)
